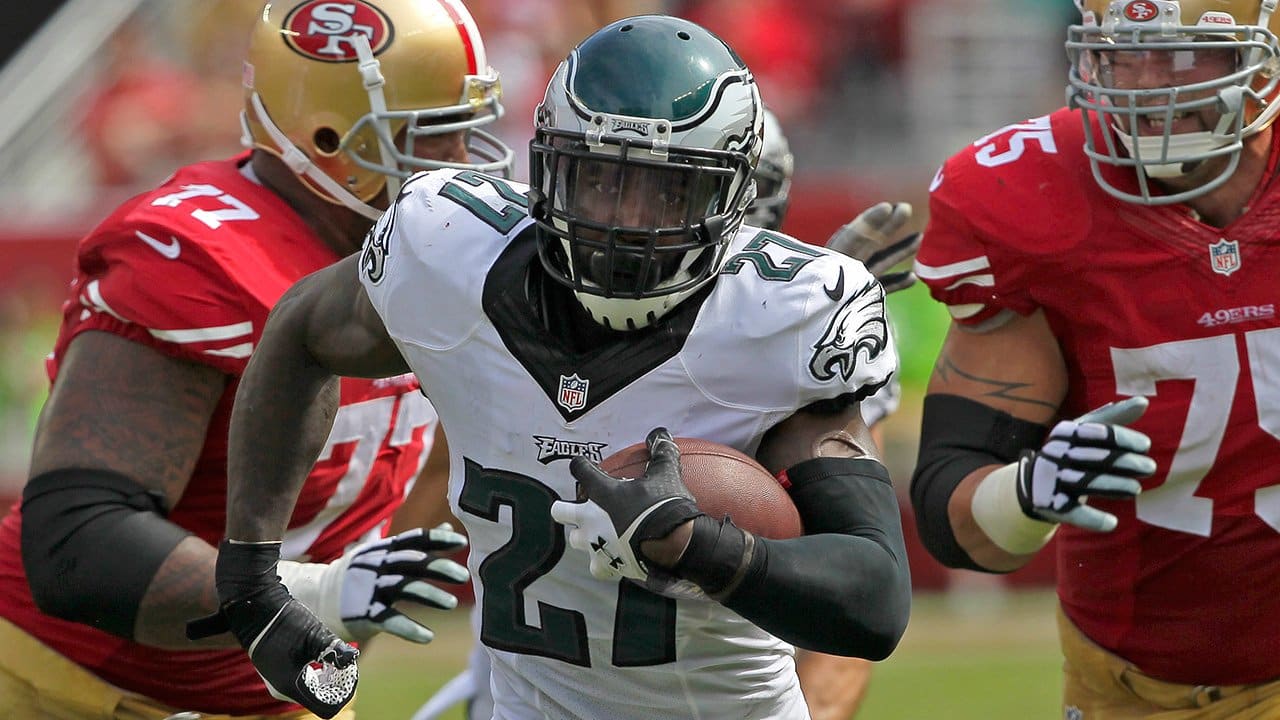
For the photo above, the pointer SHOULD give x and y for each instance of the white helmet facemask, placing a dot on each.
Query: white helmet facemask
(479, 106)
(1146, 85)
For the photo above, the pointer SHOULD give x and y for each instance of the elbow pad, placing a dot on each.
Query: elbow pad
(958, 436)
(92, 540)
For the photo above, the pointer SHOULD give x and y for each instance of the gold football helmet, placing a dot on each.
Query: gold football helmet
(1173, 83)
(340, 92)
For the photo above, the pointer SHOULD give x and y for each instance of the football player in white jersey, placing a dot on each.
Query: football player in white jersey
(833, 685)
(617, 298)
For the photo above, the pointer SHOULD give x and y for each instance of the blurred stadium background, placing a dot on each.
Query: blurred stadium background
(100, 98)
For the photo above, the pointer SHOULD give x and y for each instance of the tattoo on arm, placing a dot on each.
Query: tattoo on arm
(988, 387)
(182, 589)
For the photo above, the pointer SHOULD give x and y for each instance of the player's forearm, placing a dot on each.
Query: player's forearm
(847, 584)
(833, 685)
(181, 590)
(283, 413)
(845, 595)
(970, 535)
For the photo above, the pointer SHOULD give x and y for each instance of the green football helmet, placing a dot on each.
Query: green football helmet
(641, 166)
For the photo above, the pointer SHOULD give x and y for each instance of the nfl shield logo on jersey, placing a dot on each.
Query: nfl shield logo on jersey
(573, 392)
(1224, 255)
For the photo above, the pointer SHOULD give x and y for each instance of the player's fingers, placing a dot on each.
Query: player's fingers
(664, 456)
(591, 479)
(422, 593)
(895, 253)
(435, 540)
(847, 241)
(427, 566)
(567, 513)
(1113, 486)
(871, 223)
(1122, 412)
(579, 540)
(402, 626)
(890, 225)
(444, 537)
(1087, 518)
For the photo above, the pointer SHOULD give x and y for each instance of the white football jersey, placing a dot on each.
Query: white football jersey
(784, 325)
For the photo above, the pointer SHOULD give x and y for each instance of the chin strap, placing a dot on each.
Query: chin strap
(371, 75)
(301, 165)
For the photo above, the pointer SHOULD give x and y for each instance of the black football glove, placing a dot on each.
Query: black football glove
(299, 659)
(1094, 455)
(621, 513)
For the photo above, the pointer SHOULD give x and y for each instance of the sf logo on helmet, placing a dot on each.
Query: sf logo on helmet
(1140, 11)
(324, 30)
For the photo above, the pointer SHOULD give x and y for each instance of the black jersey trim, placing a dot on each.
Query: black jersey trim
(513, 302)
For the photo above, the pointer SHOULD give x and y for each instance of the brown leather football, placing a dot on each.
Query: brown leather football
(724, 481)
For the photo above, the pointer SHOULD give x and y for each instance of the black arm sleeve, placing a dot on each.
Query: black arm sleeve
(958, 436)
(92, 540)
(844, 587)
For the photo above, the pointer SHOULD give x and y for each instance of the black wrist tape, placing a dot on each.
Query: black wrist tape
(719, 556)
(245, 577)
(244, 569)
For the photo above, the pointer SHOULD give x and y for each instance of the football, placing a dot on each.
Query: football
(724, 481)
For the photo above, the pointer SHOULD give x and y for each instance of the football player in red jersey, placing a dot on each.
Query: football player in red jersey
(113, 547)
(1111, 369)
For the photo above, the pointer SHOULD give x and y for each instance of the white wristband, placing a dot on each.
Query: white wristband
(319, 587)
(996, 510)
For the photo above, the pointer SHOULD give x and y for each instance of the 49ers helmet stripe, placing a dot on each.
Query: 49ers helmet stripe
(469, 34)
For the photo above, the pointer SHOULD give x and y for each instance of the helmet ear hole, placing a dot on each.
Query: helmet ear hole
(326, 140)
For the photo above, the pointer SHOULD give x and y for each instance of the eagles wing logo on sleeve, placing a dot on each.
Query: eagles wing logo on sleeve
(373, 258)
(859, 326)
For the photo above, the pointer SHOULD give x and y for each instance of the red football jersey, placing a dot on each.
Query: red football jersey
(1143, 301)
(192, 269)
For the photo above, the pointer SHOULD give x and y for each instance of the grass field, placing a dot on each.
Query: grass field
(966, 656)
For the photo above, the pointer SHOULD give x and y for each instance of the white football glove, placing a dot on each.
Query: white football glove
(1095, 455)
(355, 594)
(870, 239)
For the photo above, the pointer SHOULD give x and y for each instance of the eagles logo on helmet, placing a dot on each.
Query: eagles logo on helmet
(640, 176)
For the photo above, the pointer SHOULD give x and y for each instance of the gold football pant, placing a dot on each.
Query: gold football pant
(1102, 686)
(37, 683)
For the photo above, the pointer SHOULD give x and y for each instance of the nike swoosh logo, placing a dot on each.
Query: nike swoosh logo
(836, 292)
(170, 249)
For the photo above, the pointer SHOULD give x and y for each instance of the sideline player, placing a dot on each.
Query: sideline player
(556, 324)
(1126, 263)
(127, 496)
